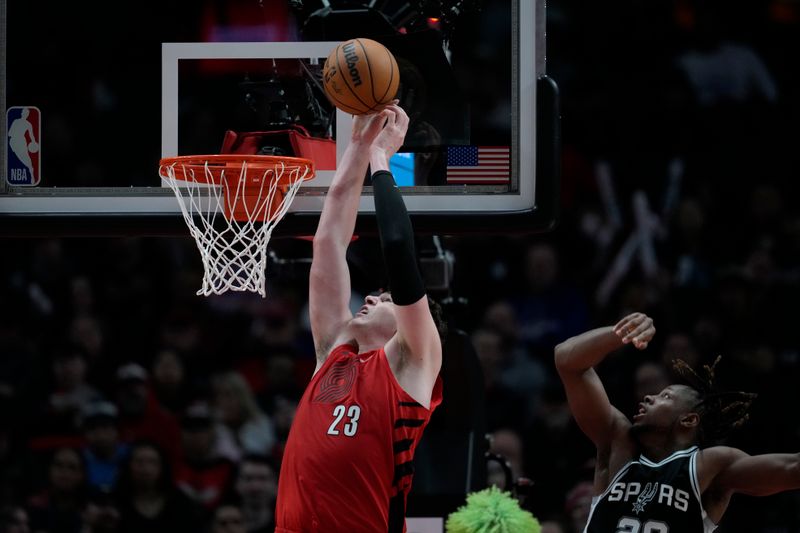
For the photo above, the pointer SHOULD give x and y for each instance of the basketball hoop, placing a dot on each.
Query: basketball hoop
(231, 204)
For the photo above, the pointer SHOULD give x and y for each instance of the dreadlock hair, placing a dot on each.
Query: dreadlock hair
(720, 412)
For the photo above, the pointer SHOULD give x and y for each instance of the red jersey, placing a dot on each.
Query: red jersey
(347, 467)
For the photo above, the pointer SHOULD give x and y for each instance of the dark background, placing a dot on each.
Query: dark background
(690, 107)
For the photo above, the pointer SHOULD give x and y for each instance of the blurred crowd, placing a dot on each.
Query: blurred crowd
(129, 404)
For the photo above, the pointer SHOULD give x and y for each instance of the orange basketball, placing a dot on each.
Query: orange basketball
(360, 76)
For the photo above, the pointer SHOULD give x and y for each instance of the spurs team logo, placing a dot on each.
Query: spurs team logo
(655, 493)
(645, 497)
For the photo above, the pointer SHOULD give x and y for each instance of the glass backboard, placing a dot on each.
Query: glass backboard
(96, 94)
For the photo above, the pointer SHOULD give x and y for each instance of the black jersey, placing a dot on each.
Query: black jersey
(648, 497)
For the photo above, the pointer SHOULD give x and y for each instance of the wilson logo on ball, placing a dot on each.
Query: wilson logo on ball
(360, 76)
(352, 59)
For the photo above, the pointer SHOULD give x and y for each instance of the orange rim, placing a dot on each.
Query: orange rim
(256, 167)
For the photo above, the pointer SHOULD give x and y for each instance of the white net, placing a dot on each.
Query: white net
(230, 222)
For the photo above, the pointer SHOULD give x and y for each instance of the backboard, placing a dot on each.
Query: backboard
(94, 97)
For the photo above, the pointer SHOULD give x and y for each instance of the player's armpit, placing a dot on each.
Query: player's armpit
(417, 337)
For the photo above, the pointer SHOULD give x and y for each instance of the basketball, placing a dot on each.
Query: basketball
(33, 147)
(360, 76)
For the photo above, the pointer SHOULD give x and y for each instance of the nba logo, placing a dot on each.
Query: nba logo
(23, 156)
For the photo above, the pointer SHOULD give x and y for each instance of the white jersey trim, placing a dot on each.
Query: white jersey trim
(680, 453)
(596, 499)
(708, 525)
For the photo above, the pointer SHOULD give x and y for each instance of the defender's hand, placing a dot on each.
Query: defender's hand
(637, 328)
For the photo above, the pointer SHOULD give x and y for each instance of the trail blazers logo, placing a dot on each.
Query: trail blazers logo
(646, 496)
(337, 381)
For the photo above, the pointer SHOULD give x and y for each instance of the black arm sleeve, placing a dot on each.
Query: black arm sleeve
(397, 240)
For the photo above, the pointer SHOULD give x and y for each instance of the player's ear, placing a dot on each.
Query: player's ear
(690, 420)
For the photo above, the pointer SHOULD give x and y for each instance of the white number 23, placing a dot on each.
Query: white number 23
(350, 427)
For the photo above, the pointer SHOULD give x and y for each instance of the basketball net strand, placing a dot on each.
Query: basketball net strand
(233, 252)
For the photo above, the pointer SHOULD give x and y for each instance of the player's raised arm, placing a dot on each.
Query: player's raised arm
(416, 349)
(731, 470)
(575, 360)
(329, 281)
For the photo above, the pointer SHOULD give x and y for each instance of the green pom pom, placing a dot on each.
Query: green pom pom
(492, 511)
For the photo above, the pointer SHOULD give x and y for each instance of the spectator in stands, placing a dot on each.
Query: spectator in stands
(283, 410)
(578, 504)
(514, 368)
(554, 450)
(549, 308)
(14, 519)
(140, 415)
(202, 473)
(649, 378)
(251, 429)
(101, 514)
(227, 518)
(87, 332)
(504, 406)
(103, 451)
(69, 392)
(256, 485)
(169, 381)
(58, 507)
(728, 72)
(552, 526)
(148, 499)
(679, 345)
(282, 369)
(508, 443)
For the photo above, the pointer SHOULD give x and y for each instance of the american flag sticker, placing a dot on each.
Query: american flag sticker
(23, 159)
(478, 165)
